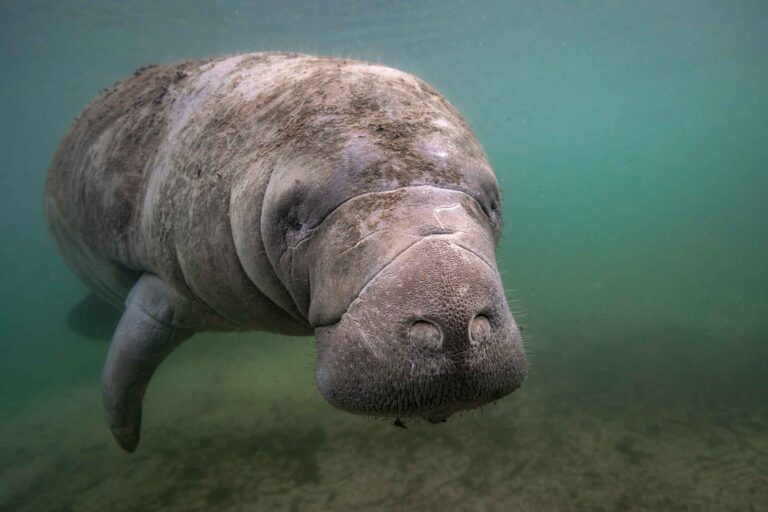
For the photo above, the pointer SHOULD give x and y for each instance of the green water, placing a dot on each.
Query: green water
(631, 143)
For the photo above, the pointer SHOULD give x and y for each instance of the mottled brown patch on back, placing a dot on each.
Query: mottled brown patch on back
(327, 103)
(97, 175)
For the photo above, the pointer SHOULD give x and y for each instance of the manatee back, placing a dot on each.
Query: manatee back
(95, 182)
(143, 179)
(196, 171)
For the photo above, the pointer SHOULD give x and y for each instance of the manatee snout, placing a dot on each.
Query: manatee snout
(431, 334)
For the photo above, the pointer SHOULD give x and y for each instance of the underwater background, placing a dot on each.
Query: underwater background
(630, 140)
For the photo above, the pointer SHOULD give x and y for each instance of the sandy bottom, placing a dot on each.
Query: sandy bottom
(234, 425)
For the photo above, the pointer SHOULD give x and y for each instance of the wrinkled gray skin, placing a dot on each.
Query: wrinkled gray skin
(292, 194)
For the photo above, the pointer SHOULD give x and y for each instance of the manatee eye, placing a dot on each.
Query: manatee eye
(293, 227)
(491, 210)
(294, 224)
(291, 209)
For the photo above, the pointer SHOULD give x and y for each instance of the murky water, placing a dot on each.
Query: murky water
(631, 143)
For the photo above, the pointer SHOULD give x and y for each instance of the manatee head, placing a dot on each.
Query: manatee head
(417, 324)
(380, 220)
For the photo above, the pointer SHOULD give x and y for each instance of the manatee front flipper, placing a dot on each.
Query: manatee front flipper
(155, 321)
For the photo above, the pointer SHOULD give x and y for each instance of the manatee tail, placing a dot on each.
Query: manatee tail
(93, 318)
(152, 326)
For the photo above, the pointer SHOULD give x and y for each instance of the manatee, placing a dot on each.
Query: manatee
(298, 195)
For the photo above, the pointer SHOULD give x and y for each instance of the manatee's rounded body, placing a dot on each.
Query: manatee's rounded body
(291, 193)
(143, 182)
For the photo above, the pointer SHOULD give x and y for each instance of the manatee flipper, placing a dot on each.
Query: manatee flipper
(155, 321)
(93, 318)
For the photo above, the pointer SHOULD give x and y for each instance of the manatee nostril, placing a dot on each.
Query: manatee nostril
(479, 330)
(425, 334)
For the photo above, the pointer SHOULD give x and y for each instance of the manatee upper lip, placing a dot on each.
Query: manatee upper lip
(400, 255)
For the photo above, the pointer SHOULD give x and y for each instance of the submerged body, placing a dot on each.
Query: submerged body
(291, 194)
